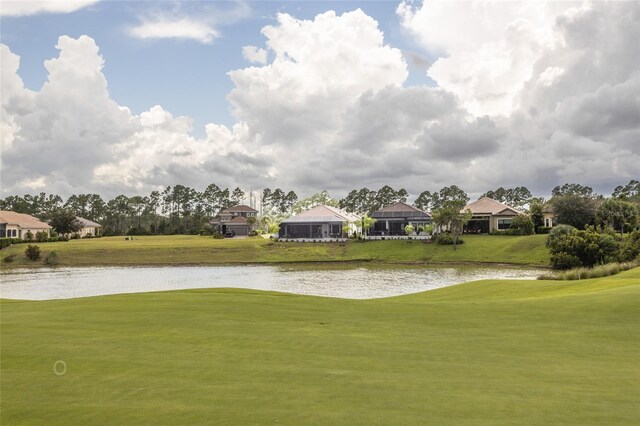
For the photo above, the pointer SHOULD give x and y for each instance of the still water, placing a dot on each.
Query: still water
(349, 283)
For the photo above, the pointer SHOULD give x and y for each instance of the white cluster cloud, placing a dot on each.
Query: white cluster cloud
(537, 96)
(72, 137)
(255, 54)
(159, 27)
(34, 7)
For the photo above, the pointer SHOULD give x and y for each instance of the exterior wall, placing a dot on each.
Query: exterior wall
(89, 230)
(14, 231)
(548, 220)
(494, 222)
(239, 229)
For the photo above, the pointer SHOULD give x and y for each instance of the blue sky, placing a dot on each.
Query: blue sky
(186, 77)
(333, 95)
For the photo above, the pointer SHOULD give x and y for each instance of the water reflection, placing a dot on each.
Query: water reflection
(342, 282)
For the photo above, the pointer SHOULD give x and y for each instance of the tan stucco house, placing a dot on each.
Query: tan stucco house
(489, 215)
(17, 225)
(88, 227)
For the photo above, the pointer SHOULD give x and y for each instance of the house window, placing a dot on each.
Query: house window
(504, 223)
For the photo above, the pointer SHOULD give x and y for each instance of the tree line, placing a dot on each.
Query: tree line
(180, 209)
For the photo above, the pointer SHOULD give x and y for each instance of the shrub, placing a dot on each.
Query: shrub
(557, 233)
(595, 272)
(630, 249)
(447, 239)
(217, 236)
(564, 260)
(42, 236)
(10, 258)
(29, 235)
(52, 259)
(74, 236)
(408, 229)
(522, 225)
(32, 252)
(543, 229)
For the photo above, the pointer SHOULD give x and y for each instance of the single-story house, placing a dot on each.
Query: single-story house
(88, 227)
(320, 222)
(235, 219)
(392, 219)
(489, 215)
(17, 225)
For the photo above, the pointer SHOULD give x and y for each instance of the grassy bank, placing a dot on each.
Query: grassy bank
(490, 352)
(196, 250)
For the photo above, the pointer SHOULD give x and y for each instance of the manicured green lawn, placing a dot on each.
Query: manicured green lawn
(184, 249)
(489, 352)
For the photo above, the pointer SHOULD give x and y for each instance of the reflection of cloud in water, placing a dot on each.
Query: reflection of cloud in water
(357, 283)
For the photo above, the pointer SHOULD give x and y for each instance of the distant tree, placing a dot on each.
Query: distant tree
(321, 198)
(450, 216)
(617, 213)
(288, 202)
(424, 201)
(575, 210)
(237, 196)
(629, 192)
(573, 189)
(367, 223)
(64, 222)
(360, 202)
(523, 224)
(515, 197)
(536, 215)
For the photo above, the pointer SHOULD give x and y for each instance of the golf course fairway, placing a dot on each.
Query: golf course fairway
(487, 352)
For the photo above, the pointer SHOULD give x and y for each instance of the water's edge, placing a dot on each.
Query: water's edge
(342, 282)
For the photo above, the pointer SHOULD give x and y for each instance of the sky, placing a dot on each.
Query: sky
(124, 97)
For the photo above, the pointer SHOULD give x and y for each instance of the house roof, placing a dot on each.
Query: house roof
(22, 220)
(239, 208)
(323, 213)
(400, 210)
(87, 222)
(486, 205)
(238, 220)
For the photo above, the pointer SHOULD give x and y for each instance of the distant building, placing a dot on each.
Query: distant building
(88, 228)
(320, 222)
(17, 225)
(489, 215)
(548, 216)
(235, 219)
(391, 220)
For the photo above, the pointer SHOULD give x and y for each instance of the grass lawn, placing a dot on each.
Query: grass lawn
(489, 352)
(186, 249)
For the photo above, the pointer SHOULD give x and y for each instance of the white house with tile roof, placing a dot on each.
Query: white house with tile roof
(320, 222)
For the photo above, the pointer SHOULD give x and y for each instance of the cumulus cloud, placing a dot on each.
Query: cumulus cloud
(254, 54)
(329, 108)
(159, 27)
(72, 137)
(25, 8)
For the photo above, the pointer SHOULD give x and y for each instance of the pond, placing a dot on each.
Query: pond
(350, 282)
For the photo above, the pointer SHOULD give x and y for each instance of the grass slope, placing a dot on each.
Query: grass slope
(184, 249)
(489, 352)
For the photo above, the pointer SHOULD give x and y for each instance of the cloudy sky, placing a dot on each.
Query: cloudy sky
(126, 97)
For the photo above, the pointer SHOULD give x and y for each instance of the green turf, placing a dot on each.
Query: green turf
(489, 352)
(183, 249)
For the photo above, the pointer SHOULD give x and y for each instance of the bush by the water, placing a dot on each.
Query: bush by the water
(595, 272)
(571, 248)
(10, 258)
(52, 259)
(32, 252)
(446, 239)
